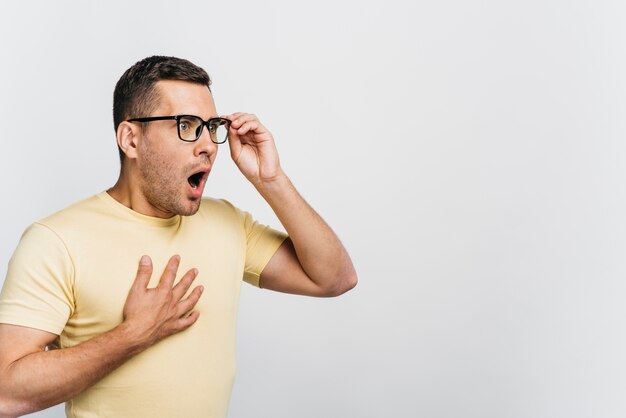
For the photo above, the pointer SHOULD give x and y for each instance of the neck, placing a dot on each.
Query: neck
(121, 191)
(127, 191)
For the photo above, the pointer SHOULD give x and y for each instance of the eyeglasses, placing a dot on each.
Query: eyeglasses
(190, 127)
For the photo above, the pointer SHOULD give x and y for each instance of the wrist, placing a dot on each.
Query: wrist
(132, 338)
(274, 184)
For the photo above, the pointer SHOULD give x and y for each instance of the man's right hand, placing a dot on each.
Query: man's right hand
(159, 312)
(32, 378)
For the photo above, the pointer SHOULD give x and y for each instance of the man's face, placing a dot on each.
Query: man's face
(173, 173)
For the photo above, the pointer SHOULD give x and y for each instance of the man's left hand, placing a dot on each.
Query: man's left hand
(252, 148)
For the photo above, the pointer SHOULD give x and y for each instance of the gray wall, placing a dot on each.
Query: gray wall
(469, 154)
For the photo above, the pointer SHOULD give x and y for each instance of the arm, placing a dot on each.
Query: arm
(32, 379)
(312, 261)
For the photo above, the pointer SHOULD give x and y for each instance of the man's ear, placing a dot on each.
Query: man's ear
(128, 135)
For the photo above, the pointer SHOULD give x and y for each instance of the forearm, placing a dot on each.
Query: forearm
(319, 251)
(323, 267)
(45, 378)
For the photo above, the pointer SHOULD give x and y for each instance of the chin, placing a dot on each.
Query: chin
(191, 208)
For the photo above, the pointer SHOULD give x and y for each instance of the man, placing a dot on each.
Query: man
(134, 344)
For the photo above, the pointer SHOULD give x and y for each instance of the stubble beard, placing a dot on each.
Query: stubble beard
(161, 185)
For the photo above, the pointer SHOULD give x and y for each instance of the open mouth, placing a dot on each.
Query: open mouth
(196, 178)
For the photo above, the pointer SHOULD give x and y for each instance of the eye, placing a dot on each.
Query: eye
(184, 126)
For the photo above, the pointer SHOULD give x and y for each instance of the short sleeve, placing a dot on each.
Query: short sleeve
(261, 243)
(38, 291)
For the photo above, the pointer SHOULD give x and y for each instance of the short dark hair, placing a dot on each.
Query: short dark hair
(135, 95)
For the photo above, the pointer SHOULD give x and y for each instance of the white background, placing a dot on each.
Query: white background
(470, 155)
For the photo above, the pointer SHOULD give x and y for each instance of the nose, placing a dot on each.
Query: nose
(204, 145)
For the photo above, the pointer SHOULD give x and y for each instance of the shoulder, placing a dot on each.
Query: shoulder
(68, 216)
(51, 232)
(221, 215)
(219, 208)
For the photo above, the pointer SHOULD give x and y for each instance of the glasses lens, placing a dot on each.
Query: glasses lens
(219, 130)
(189, 128)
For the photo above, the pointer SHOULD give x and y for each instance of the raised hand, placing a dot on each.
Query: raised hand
(159, 312)
(252, 148)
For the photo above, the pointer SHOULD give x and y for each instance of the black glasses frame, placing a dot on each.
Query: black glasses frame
(177, 118)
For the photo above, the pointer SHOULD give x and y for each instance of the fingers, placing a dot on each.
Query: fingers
(178, 291)
(234, 143)
(187, 317)
(243, 123)
(183, 285)
(160, 312)
(235, 146)
(235, 116)
(169, 274)
(248, 126)
(187, 321)
(190, 301)
(144, 272)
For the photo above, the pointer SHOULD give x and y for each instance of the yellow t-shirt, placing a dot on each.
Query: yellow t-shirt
(71, 274)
